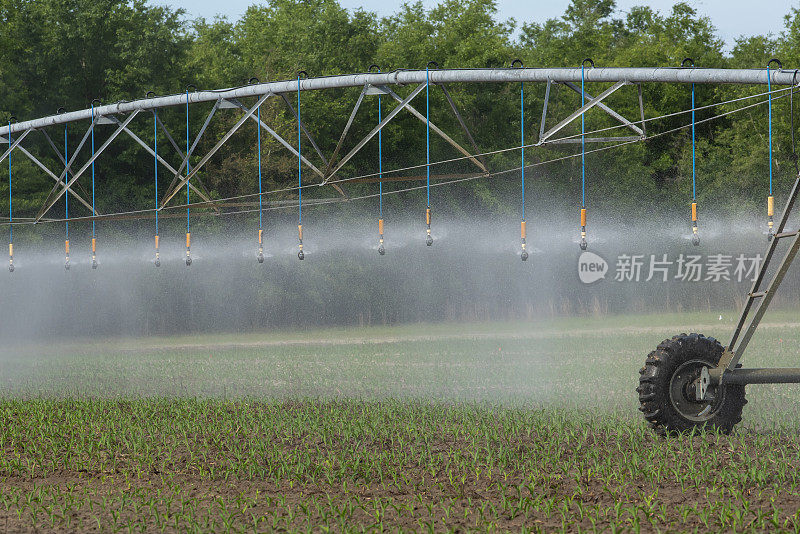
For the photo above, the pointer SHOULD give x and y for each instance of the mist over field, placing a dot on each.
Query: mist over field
(472, 273)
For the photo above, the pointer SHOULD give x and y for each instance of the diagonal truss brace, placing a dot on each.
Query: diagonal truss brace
(59, 181)
(594, 101)
(86, 165)
(436, 129)
(462, 123)
(332, 161)
(403, 104)
(639, 131)
(14, 145)
(213, 151)
(68, 168)
(161, 160)
(286, 144)
(177, 149)
(305, 131)
(62, 160)
(185, 164)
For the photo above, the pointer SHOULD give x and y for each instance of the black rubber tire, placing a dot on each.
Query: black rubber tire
(656, 380)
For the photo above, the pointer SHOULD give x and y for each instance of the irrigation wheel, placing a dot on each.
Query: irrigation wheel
(667, 388)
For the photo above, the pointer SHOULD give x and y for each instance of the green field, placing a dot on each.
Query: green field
(423, 427)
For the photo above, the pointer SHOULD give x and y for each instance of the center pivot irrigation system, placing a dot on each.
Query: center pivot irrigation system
(689, 381)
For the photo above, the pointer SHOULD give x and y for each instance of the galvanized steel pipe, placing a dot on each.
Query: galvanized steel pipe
(403, 77)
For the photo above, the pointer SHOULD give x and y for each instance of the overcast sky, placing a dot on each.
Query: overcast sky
(732, 18)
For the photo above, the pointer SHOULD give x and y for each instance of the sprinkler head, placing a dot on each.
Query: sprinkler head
(584, 245)
(429, 240)
(381, 250)
(770, 234)
(524, 255)
(301, 255)
(66, 264)
(188, 260)
(11, 267)
(695, 240)
(158, 262)
(260, 257)
(94, 263)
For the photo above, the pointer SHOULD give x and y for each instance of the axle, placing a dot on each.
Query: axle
(742, 377)
(775, 375)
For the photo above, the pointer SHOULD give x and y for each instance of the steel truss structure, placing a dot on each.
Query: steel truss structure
(123, 113)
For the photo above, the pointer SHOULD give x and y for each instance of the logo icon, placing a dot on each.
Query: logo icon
(591, 267)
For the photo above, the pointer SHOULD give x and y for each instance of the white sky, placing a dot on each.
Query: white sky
(732, 18)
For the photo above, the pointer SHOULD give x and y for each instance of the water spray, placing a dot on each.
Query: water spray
(523, 232)
(94, 212)
(770, 199)
(188, 234)
(10, 211)
(428, 237)
(583, 243)
(300, 254)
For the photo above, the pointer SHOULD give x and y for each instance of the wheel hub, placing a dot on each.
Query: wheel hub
(683, 392)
